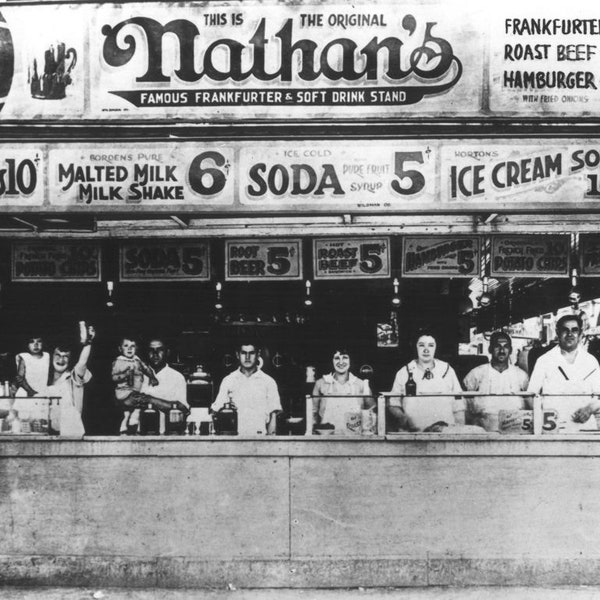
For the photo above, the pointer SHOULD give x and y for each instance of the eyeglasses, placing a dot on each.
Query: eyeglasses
(570, 330)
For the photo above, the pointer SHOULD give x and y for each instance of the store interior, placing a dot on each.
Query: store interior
(297, 325)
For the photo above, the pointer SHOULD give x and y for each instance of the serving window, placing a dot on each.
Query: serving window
(368, 294)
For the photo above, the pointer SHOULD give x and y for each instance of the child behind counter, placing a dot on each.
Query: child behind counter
(128, 372)
(32, 368)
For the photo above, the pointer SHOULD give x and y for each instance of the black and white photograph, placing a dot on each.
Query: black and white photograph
(299, 299)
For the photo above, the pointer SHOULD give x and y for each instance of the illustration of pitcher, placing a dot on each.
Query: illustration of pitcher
(58, 64)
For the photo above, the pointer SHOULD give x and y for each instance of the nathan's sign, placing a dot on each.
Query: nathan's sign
(248, 60)
(239, 60)
(156, 261)
(440, 256)
(351, 258)
(261, 260)
(530, 256)
(70, 261)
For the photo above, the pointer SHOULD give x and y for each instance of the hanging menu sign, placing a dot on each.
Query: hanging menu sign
(69, 261)
(261, 260)
(589, 255)
(351, 258)
(156, 261)
(440, 256)
(544, 58)
(530, 256)
(303, 176)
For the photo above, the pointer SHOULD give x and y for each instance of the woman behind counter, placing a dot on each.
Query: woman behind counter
(66, 380)
(432, 376)
(340, 382)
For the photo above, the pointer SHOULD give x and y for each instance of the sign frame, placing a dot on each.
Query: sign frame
(46, 279)
(585, 240)
(295, 243)
(537, 238)
(476, 272)
(180, 246)
(345, 242)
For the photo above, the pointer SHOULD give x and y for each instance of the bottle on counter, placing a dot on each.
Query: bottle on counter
(175, 423)
(226, 419)
(411, 385)
(149, 421)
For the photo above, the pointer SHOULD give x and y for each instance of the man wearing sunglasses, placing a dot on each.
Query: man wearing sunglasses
(568, 369)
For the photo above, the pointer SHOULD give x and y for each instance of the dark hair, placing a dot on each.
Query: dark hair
(157, 338)
(247, 341)
(421, 332)
(341, 349)
(560, 324)
(497, 335)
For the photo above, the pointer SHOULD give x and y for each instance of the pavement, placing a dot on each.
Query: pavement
(429, 593)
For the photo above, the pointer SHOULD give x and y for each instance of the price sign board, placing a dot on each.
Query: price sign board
(157, 261)
(70, 261)
(515, 421)
(530, 256)
(261, 260)
(440, 256)
(351, 258)
(589, 255)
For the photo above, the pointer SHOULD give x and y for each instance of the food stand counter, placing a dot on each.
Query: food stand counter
(336, 511)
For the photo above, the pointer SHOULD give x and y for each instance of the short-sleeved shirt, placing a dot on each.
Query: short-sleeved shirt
(255, 396)
(485, 378)
(171, 387)
(552, 374)
(426, 411)
(443, 381)
(484, 410)
(333, 410)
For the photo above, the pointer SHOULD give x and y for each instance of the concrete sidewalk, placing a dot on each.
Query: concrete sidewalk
(429, 593)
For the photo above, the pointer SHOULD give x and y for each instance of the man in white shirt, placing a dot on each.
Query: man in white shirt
(171, 390)
(568, 369)
(252, 392)
(498, 376)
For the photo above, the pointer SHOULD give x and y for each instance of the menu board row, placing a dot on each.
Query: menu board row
(242, 60)
(298, 177)
(255, 259)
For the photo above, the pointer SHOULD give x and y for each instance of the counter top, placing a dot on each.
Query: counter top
(434, 444)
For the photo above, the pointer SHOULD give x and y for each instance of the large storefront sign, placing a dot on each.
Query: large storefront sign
(299, 176)
(261, 260)
(158, 261)
(245, 60)
(530, 256)
(69, 261)
(351, 258)
(440, 256)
